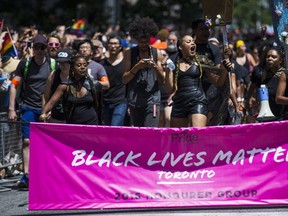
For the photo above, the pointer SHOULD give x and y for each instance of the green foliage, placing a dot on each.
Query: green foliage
(248, 12)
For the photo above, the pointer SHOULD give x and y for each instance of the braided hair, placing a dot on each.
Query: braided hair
(195, 60)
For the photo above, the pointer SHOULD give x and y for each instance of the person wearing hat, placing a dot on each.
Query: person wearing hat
(244, 58)
(30, 77)
(60, 75)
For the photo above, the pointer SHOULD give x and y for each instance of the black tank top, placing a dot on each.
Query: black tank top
(116, 94)
(80, 110)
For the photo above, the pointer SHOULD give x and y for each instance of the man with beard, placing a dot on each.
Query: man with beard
(54, 44)
(143, 74)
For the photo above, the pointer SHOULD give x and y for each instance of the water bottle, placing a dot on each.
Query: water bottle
(170, 64)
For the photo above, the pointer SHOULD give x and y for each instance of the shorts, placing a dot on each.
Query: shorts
(184, 110)
(28, 115)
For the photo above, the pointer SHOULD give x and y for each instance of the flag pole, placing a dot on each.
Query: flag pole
(15, 50)
(1, 28)
(2, 24)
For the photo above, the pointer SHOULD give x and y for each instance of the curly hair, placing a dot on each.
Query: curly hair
(143, 28)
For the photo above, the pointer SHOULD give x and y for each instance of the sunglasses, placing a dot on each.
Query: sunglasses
(54, 44)
(36, 47)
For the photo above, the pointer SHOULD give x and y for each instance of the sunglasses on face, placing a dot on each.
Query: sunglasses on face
(39, 47)
(51, 44)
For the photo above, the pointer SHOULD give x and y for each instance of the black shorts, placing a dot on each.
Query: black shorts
(184, 110)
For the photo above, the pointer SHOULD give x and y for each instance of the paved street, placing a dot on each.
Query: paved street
(15, 202)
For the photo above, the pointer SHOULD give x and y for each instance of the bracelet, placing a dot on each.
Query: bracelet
(239, 99)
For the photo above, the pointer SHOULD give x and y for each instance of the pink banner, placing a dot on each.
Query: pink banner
(95, 167)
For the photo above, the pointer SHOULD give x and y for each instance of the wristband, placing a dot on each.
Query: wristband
(104, 78)
(15, 82)
(239, 99)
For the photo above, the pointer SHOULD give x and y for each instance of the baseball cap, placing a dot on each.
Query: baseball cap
(64, 55)
(40, 39)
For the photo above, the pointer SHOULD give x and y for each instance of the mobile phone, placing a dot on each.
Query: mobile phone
(29, 44)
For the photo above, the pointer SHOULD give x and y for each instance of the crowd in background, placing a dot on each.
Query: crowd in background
(144, 77)
(244, 45)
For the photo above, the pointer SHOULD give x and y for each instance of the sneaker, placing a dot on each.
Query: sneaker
(23, 182)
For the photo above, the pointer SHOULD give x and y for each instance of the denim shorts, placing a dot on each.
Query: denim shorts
(28, 115)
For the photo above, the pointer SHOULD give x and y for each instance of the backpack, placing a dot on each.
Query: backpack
(22, 87)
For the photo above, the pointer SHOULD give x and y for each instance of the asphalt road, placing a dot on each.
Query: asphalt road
(15, 202)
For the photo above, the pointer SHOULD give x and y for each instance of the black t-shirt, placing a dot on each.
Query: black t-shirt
(116, 94)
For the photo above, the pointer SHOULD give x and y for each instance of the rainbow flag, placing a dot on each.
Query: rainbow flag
(78, 27)
(8, 48)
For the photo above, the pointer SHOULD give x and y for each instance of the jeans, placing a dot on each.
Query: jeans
(114, 115)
